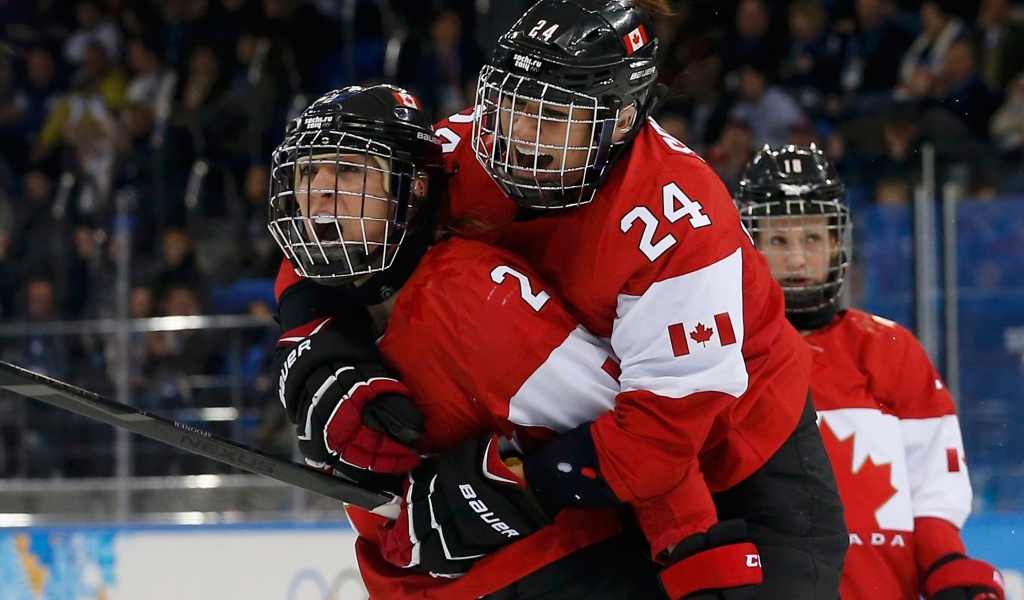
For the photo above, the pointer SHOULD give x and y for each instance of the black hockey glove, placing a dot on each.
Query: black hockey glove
(721, 564)
(346, 409)
(957, 577)
(458, 507)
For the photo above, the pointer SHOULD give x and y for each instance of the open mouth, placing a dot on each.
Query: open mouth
(327, 230)
(525, 158)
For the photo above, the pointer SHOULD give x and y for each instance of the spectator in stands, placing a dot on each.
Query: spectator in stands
(199, 86)
(42, 353)
(180, 26)
(872, 58)
(313, 40)
(39, 238)
(152, 84)
(231, 20)
(236, 121)
(41, 88)
(13, 104)
(768, 110)
(810, 70)
(729, 156)
(448, 61)
(188, 352)
(140, 171)
(95, 26)
(902, 136)
(959, 89)
(752, 42)
(1007, 126)
(685, 43)
(81, 271)
(260, 254)
(999, 40)
(84, 122)
(925, 57)
(177, 264)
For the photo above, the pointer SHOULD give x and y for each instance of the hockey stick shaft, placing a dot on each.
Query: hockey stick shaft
(185, 437)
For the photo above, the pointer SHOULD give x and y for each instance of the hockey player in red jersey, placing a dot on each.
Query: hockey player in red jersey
(711, 440)
(472, 333)
(887, 420)
(642, 242)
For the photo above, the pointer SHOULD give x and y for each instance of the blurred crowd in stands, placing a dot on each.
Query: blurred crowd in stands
(156, 118)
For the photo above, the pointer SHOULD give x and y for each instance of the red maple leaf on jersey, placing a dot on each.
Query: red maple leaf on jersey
(863, 491)
(701, 334)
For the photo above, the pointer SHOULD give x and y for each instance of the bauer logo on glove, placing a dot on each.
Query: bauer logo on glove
(347, 409)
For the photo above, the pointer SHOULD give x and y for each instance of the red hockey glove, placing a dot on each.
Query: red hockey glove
(458, 507)
(346, 409)
(957, 577)
(718, 565)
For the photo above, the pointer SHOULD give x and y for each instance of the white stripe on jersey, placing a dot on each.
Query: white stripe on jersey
(938, 491)
(570, 388)
(687, 303)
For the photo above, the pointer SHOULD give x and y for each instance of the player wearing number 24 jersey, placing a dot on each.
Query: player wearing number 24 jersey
(713, 378)
(659, 267)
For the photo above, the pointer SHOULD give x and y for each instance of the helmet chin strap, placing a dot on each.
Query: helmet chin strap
(382, 285)
(811, 320)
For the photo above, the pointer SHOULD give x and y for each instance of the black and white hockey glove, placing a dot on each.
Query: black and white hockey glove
(958, 577)
(458, 507)
(346, 408)
(721, 564)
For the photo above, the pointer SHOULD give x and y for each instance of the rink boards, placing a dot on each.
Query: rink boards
(272, 562)
(255, 562)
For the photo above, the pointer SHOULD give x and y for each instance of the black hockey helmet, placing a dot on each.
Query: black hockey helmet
(566, 63)
(338, 232)
(792, 188)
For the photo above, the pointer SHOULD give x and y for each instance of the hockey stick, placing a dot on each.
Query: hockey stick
(63, 395)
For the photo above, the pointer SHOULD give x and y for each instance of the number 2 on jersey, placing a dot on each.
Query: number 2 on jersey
(536, 300)
(675, 205)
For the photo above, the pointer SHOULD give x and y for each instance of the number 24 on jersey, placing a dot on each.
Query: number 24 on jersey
(675, 205)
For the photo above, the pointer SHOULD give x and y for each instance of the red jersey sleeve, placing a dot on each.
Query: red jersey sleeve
(902, 376)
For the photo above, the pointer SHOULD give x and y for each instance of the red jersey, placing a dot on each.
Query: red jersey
(484, 347)
(713, 377)
(891, 432)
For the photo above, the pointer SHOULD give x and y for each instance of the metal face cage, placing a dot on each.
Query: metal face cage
(339, 203)
(546, 146)
(807, 243)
